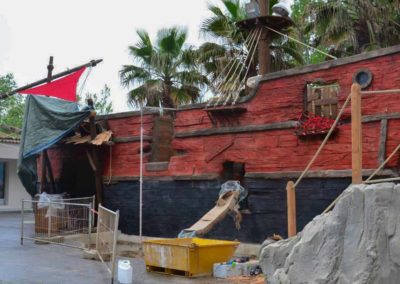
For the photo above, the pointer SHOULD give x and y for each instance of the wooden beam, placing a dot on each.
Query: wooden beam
(319, 174)
(49, 171)
(91, 162)
(43, 176)
(219, 150)
(382, 142)
(378, 117)
(128, 139)
(291, 209)
(237, 129)
(356, 134)
(96, 159)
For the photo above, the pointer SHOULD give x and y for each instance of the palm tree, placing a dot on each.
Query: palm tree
(229, 42)
(352, 26)
(164, 72)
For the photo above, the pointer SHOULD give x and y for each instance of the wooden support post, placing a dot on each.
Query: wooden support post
(291, 209)
(96, 159)
(43, 179)
(264, 56)
(356, 134)
(49, 171)
(382, 142)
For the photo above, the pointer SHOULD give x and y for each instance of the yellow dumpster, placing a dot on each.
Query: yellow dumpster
(188, 256)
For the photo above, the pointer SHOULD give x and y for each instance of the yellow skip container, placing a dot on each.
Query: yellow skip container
(188, 256)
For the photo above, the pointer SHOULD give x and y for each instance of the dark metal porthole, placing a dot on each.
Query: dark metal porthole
(363, 77)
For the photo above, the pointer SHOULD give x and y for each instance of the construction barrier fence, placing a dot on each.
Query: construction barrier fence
(67, 222)
(106, 237)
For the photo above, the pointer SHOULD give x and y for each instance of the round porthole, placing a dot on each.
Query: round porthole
(363, 77)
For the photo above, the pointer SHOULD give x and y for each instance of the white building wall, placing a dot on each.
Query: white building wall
(14, 191)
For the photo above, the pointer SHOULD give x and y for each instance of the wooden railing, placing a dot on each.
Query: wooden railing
(356, 148)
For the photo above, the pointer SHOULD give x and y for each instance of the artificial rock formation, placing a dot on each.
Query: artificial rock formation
(357, 242)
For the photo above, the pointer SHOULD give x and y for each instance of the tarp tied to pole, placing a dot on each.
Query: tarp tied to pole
(47, 121)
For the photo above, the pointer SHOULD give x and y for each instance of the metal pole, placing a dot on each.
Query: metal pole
(141, 174)
(22, 222)
(49, 222)
(116, 221)
(90, 225)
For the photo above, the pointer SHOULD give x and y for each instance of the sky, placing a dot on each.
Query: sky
(77, 31)
(74, 32)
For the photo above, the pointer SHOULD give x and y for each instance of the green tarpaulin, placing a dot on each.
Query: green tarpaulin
(47, 121)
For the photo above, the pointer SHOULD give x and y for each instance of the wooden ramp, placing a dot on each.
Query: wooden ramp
(225, 203)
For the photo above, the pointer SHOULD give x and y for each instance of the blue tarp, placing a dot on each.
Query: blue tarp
(47, 121)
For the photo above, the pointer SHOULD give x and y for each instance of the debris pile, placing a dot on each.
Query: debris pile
(357, 242)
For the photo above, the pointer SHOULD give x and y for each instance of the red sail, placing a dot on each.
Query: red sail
(63, 88)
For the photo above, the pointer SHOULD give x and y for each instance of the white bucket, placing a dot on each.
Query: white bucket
(125, 272)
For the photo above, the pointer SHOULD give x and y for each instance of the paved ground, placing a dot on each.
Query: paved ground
(48, 264)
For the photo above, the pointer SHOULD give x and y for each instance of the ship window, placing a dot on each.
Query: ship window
(363, 77)
(322, 99)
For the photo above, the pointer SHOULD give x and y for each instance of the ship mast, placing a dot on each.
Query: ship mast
(263, 47)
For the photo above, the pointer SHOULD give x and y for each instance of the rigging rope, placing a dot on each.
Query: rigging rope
(302, 43)
(248, 68)
(383, 164)
(324, 141)
(233, 86)
(222, 84)
(84, 82)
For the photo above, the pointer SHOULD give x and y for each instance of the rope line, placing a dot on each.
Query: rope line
(382, 180)
(236, 84)
(226, 87)
(231, 64)
(324, 141)
(84, 81)
(302, 43)
(223, 86)
(248, 67)
(383, 164)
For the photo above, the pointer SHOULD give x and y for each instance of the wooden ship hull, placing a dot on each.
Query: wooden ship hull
(189, 153)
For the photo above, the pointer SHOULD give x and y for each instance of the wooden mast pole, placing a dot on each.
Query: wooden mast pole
(92, 63)
(264, 57)
(95, 156)
(356, 134)
(291, 209)
(45, 162)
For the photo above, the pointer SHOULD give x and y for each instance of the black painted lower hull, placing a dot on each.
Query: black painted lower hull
(170, 206)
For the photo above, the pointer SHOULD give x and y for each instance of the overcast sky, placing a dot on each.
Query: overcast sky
(75, 32)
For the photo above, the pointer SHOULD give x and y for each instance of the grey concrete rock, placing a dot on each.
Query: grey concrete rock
(357, 242)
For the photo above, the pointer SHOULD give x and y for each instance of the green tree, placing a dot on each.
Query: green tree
(229, 42)
(11, 108)
(352, 26)
(101, 102)
(163, 72)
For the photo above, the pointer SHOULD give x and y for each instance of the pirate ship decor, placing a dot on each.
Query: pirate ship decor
(164, 171)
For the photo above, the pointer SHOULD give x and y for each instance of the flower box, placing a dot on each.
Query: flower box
(311, 124)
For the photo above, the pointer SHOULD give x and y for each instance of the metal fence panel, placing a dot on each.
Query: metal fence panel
(68, 223)
(106, 238)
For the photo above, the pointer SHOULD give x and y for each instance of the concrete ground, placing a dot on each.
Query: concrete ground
(48, 264)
